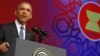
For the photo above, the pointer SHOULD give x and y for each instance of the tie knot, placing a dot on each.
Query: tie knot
(21, 27)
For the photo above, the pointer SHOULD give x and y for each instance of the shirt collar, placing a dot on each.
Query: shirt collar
(18, 24)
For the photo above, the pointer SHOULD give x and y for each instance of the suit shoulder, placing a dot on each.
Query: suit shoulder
(6, 26)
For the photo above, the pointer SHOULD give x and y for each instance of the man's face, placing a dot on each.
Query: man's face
(23, 12)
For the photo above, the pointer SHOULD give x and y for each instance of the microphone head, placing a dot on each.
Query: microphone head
(41, 32)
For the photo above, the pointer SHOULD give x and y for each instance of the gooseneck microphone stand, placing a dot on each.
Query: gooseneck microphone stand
(42, 34)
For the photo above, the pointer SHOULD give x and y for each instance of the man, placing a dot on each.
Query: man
(13, 30)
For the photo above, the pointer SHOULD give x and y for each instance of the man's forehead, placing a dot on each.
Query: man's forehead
(25, 4)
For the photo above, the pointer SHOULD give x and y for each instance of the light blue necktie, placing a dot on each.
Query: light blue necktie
(21, 34)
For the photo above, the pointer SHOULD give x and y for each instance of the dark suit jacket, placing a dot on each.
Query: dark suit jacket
(8, 32)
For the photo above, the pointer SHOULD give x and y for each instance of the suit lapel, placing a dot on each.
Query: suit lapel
(27, 35)
(14, 30)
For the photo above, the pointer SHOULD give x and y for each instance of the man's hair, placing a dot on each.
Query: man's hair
(23, 3)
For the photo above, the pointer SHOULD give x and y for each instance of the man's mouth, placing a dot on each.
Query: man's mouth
(24, 16)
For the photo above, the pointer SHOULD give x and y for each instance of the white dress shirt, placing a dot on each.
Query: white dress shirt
(18, 25)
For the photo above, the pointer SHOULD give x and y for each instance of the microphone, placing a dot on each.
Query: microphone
(39, 31)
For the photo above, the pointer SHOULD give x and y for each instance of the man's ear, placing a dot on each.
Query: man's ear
(30, 16)
(15, 12)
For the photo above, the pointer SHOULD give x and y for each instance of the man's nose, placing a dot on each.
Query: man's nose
(24, 12)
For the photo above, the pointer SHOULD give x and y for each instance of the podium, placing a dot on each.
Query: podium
(28, 48)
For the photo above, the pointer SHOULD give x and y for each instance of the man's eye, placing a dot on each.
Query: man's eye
(21, 8)
(28, 10)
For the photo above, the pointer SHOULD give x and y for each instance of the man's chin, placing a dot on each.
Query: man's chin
(22, 21)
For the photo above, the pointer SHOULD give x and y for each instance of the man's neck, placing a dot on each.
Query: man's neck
(22, 23)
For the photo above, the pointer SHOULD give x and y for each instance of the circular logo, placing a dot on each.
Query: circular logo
(41, 52)
(89, 20)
